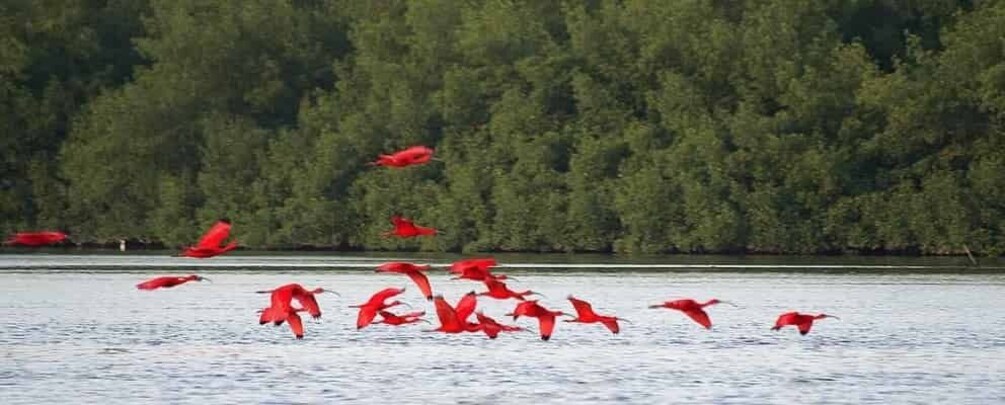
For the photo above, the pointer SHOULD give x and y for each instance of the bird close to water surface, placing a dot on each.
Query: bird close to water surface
(283, 295)
(693, 309)
(369, 309)
(801, 321)
(585, 314)
(168, 281)
(414, 272)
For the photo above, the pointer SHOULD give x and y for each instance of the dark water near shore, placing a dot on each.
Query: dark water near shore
(73, 329)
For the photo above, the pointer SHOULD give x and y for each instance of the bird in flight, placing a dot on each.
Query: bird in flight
(211, 242)
(693, 309)
(168, 281)
(803, 322)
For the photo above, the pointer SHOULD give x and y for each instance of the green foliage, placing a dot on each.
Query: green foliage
(642, 126)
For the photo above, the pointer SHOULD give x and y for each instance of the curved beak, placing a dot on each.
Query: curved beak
(729, 303)
(624, 320)
(537, 293)
(205, 279)
(333, 292)
(406, 304)
(655, 306)
(832, 316)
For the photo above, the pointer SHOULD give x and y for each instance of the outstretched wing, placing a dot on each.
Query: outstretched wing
(382, 295)
(804, 327)
(310, 303)
(215, 235)
(699, 316)
(583, 309)
(611, 324)
(546, 322)
(423, 282)
(296, 325)
(466, 305)
(365, 316)
(446, 313)
(402, 225)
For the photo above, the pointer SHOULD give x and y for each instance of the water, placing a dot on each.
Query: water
(74, 330)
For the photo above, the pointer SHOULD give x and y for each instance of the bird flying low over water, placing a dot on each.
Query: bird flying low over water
(585, 314)
(801, 321)
(35, 239)
(499, 290)
(282, 296)
(405, 228)
(416, 155)
(389, 318)
(369, 309)
(168, 281)
(280, 315)
(475, 269)
(545, 317)
(414, 272)
(693, 309)
(455, 319)
(493, 328)
(211, 242)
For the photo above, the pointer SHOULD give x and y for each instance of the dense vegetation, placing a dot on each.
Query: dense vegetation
(792, 126)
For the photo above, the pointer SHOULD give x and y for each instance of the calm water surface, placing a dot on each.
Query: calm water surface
(73, 329)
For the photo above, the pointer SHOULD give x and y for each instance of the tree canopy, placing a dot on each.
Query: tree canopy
(636, 126)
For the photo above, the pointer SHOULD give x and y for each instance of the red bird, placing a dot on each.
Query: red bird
(280, 315)
(413, 272)
(404, 319)
(802, 321)
(368, 310)
(168, 282)
(545, 317)
(455, 319)
(415, 155)
(499, 290)
(692, 309)
(36, 238)
(585, 314)
(493, 328)
(283, 295)
(210, 243)
(405, 228)
(475, 269)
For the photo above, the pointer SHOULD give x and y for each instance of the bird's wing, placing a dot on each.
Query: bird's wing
(583, 309)
(365, 316)
(281, 297)
(388, 315)
(296, 325)
(446, 313)
(466, 306)
(380, 296)
(546, 322)
(154, 283)
(699, 316)
(310, 303)
(215, 235)
(403, 225)
(611, 324)
(423, 282)
(804, 327)
(788, 318)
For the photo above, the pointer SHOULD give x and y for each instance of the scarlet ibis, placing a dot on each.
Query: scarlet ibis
(280, 315)
(545, 317)
(405, 228)
(585, 314)
(475, 269)
(693, 309)
(802, 321)
(168, 281)
(499, 290)
(403, 319)
(35, 239)
(491, 327)
(369, 309)
(210, 243)
(454, 319)
(282, 295)
(415, 155)
(414, 272)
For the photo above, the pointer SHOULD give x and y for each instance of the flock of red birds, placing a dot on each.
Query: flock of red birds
(452, 318)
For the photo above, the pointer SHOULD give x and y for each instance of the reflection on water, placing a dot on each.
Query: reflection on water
(84, 335)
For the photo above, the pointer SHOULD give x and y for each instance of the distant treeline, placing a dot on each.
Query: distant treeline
(790, 126)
